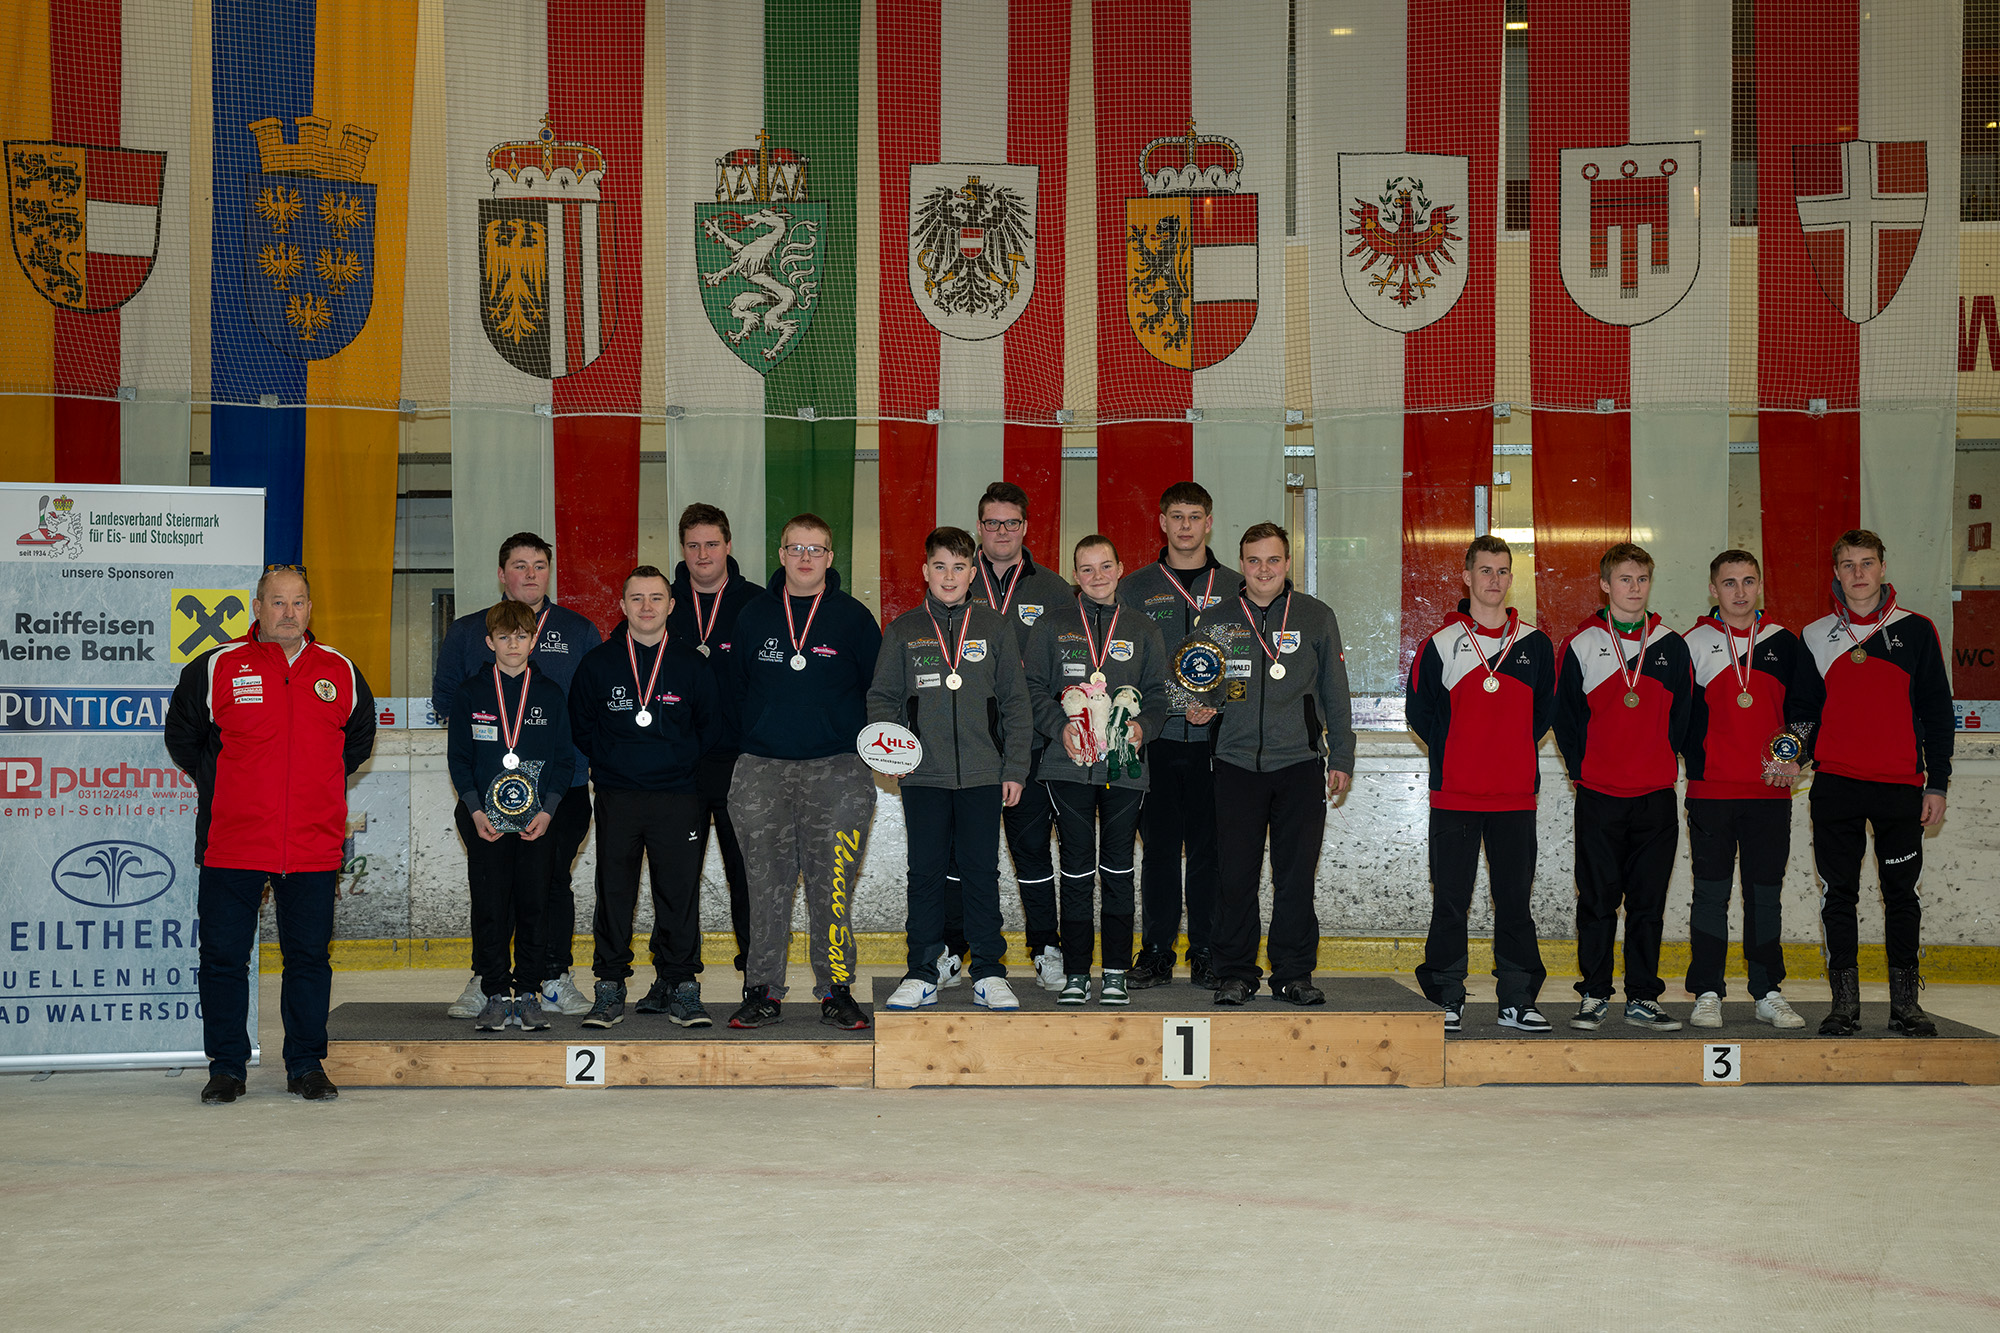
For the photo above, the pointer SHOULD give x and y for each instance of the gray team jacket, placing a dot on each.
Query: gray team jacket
(1059, 657)
(1157, 593)
(1038, 591)
(1270, 724)
(974, 736)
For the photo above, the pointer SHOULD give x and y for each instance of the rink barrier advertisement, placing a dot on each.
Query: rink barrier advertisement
(106, 592)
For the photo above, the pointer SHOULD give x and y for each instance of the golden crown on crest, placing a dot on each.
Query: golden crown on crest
(545, 165)
(312, 155)
(1191, 164)
(761, 174)
(64, 504)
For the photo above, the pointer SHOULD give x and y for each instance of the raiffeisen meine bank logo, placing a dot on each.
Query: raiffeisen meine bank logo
(57, 534)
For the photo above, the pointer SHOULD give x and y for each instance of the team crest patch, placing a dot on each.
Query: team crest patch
(1287, 640)
(325, 689)
(972, 245)
(1402, 267)
(1029, 612)
(757, 251)
(1120, 650)
(975, 650)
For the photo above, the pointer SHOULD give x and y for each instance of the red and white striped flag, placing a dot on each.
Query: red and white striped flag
(1399, 113)
(1857, 267)
(1629, 120)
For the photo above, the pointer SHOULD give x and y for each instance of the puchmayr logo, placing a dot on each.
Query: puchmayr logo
(113, 873)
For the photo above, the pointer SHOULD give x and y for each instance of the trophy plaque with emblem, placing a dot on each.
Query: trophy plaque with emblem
(513, 797)
(1196, 671)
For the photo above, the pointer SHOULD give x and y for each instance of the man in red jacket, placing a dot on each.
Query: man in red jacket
(1482, 695)
(1622, 697)
(1877, 718)
(269, 727)
(1738, 800)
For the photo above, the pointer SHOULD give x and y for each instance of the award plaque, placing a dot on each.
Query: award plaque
(512, 798)
(1785, 748)
(1195, 672)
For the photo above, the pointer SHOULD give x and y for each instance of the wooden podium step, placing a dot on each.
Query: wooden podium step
(416, 1046)
(1741, 1051)
(1371, 1031)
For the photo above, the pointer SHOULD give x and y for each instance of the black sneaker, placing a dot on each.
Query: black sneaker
(314, 1086)
(838, 1010)
(1454, 1017)
(656, 1000)
(1301, 993)
(221, 1090)
(494, 1015)
(759, 1010)
(1233, 991)
(684, 1007)
(1201, 969)
(1149, 970)
(609, 1009)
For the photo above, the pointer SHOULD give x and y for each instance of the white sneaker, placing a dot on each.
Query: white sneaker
(912, 994)
(562, 997)
(951, 969)
(1049, 972)
(994, 993)
(469, 1004)
(1707, 1011)
(1772, 1009)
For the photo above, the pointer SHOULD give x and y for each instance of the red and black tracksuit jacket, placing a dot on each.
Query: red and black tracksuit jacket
(1887, 718)
(1483, 743)
(1610, 748)
(1725, 746)
(270, 744)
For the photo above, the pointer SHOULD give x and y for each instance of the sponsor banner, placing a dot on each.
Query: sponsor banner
(1975, 714)
(99, 930)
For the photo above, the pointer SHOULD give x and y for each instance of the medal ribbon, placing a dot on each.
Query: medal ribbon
(799, 637)
(1618, 644)
(713, 616)
(632, 656)
(1269, 651)
(540, 621)
(511, 736)
(1090, 645)
(1742, 669)
(951, 658)
(1188, 597)
(1000, 604)
(1513, 630)
(1881, 618)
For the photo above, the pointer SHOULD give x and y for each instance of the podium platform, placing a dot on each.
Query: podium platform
(417, 1046)
(1371, 1031)
(1742, 1050)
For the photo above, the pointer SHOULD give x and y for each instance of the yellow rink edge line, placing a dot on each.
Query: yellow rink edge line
(1974, 963)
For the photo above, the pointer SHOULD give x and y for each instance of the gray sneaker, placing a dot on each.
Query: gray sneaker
(684, 1006)
(528, 1013)
(562, 996)
(609, 1009)
(493, 1015)
(471, 1002)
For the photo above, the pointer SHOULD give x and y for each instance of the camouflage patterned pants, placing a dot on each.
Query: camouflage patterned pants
(801, 819)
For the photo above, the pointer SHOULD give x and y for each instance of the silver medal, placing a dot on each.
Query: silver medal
(953, 681)
(798, 661)
(1097, 678)
(1277, 671)
(701, 648)
(643, 718)
(510, 761)
(1492, 685)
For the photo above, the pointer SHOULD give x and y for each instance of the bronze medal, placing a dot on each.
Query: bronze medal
(1631, 699)
(1744, 700)
(1858, 655)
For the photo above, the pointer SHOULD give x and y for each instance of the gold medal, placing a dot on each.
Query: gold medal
(1744, 700)
(1631, 700)
(1858, 655)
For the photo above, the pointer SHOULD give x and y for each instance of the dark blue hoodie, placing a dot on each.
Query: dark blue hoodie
(778, 713)
(737, 593)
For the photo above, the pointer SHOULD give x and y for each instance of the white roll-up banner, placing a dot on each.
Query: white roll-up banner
(106, 593)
